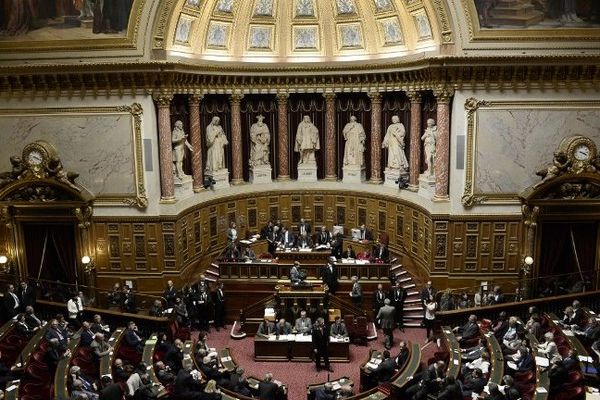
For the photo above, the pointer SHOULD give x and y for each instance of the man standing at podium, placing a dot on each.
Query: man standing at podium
(329, 276)
(303, 227)
(320, 341)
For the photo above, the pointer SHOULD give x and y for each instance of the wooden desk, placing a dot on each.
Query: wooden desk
(574, 342)
(542, 380)
(366, 373)
(412, 367)
(106, 362)
(7, 327)
(373, 394)
(61, 392)
(188, 354)
(337, 384)
(226, 359)
(12, 390)
(454, 360)
(299, 351)
(148, 359)
(496, 358)
(31, 346)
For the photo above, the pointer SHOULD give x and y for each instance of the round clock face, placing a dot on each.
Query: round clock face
(582, 152)
(35, 158)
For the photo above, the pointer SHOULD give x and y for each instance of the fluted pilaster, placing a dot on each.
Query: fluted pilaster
(196, 140)
(375, 137)
(330, 142)
(236, 139)
(283, 154)
(415, 139)
(165, 148)
(442, 146)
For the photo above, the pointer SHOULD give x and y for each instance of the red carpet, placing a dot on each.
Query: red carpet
(298, 375)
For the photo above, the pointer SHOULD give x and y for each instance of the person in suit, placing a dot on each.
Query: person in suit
(238, 383)
(324, 237)
(329, 276)
(98, 326)
(170, 294)
(320, 342)
(338, 328)
(451, 390)
(22, 328)
(356, 292)
(286, 240)
(283, 327)
(132, 337)
(129, 300)
(100, 347)
(378, 300)
(578, 314)
(186, 386)
(403, 354)
(232, 252)
(474, 352)
(428, 382)
(427, 295)
(248, 254)
(386, 369)
(365, 234)
(31, 319)
(468, 331)
(267, 231)
(267, 389)
(11, 302)
(75, 311)
(398, 295)
(497, 296)
(590, 333)
(349, 253)
(164, 373)
(174, 357)
(523, 361)
(115, 297)
(120, 374)
(54, 332)
(204, 308)
(303, 324)
(304, 228)
(326, 392)
(232, 234)
(219, 305)
(473, 383)
(337, 246)
(157, 309)
(381, 253)
(265, 328)
(495, 393)
(304, 242)
(295, 273)
(387, 318)
(273, 240)
(109, 389)
(571, 361)
(27, 295)
(87, 336)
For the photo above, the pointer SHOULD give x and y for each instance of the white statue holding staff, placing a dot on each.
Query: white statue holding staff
(355, 137)
(216, 142)
(179, 142)
(394, 142)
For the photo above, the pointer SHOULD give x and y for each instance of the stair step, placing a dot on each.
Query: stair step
(412, 285)
(412, 324)
(396, 266)
(403, 280)
(411, 293)
(215, 265)
(403, 272)
(412, 301)
(413, 309)
(211, 272)
(393, 260)
(413, 316)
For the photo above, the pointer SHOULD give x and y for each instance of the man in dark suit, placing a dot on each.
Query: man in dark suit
(287, 240)
(387, 319)
(26, 295)
(323, 237)
(283, 327)
(365, 234)
(451, 390)
(132, 337)
(356, 292)
(31, 319)
(54, 332)
(267, 389)
(386, 369)
(381, 253)
(273, 240)
(11, 302)
(219, 307)
(427, 295)
(403, 354)
(378, 297)
(578, 314)
(267, 231)
(170, 294)
(320, 341)
(87, 336)
(304, 242)
(430, 381)
(265, 328)
(473, 383)
(326, 392)
(468, 331)
(495, 393)
(398, 295)
(304, 228)
(186, 387)
(129, 300)
(337, 246)
(238, 383)
(110, 390)
(338, 328)
(174, 357)
(349, 253)
(329, 276)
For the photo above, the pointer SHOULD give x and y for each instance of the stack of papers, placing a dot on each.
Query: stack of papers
(586, 359)
(336, 386)
(370, 365)
(306, 250)
(225, 359)
(245, 241)
(541, 362)
(568, 332)
(541, 390)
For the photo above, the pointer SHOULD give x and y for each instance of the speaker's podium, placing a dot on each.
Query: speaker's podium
(310, 291)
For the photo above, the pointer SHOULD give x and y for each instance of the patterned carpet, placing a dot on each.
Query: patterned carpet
(298, 375)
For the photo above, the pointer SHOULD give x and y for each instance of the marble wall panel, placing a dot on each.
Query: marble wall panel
(512, 144)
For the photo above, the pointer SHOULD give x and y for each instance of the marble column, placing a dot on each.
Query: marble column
(236, 139)
(283, 154)
(375, 138)
(165, 148)
(415, 139)
(330, 143)
(196, 140)
(442, 146)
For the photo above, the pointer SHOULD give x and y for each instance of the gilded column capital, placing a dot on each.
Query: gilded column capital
(329, 96)
(236, 97)
(195, 98)
(443, 94)
(163, 100)
(414, 96)
(282, 97)
(375, 97)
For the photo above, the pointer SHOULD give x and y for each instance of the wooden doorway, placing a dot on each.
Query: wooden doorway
(50, 250)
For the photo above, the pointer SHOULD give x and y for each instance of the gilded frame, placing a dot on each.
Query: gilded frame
(476, 34)
(471, 196)
(136, 199)
(127, 41)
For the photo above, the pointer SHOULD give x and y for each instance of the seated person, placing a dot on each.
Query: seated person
(482, 364)
(22, 328)
(429, 382)
(164, 373)
(174, 357)
(120, 372)
(468, 331)
(100, 346)
(450, 389)
(286, 239)
(326, 392)
(403, 354)
(569, 319)
(386, 369)
(590, 333)
(500, 326)
(473, 353)
(238, 383)
(571, 361)
(303, 324)
(56, 332)
(533, 326)
(522, 361)
(187, 384)
(132, 338)
(268, 389)
(558, 375)
(265, 328)
(32, 320)
(283, 328)
(248, 254)
(349, 253)
(324, 237)
(79, 391)
(76, 374)
(304, 242)
(115, 297)
(365, 234)
(338, 328)
(211, 392)
(87, 336)
(98, 326)
(381, 252)
(511, 337)
(473, 383)
(210, 369)
(494, 392)
(548, 348)
(54, 354)
(157, 309)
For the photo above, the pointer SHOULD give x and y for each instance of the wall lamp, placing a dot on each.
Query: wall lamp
(88, 264)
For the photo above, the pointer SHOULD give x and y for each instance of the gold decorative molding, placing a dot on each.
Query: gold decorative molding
(471, 195)
(443, 17)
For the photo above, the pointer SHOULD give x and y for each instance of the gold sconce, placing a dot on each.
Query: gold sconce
(6, 264)
(88, 264)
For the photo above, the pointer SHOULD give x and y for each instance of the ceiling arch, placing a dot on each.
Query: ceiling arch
(301, 32)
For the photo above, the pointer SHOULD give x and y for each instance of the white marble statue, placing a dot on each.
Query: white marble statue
(394, 142)
(307, 141)
(179, 142)
(216, 142)
(260, 140)
(429, 138)
(355, 137)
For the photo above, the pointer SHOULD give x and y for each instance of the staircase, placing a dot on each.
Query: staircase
(413, 312)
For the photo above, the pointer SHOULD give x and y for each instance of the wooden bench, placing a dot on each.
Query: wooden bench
(412, 367)
(61, 391)
(148, 360)
(106, 362)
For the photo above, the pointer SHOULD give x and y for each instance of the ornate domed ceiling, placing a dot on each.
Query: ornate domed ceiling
(302, 31)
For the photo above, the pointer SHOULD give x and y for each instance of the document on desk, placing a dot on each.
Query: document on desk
(512, 365)
(245, 241)
(370, 365)
(307, 250)
(303, 338)
(568, 332)
(336, 386)
(541, 362)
